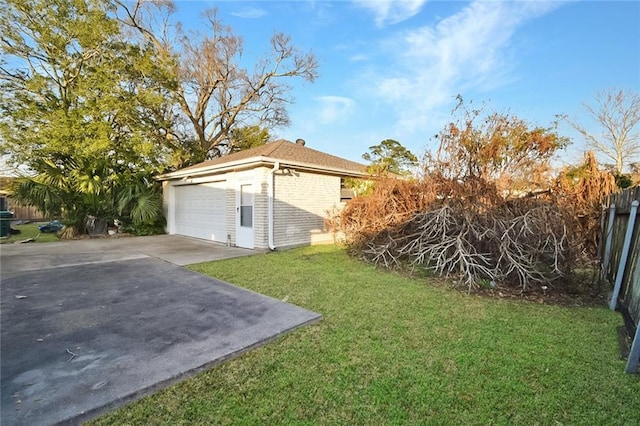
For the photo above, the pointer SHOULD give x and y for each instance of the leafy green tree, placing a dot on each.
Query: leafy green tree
(77, 192)
(389, 156)
(80, 106)
(241, 138)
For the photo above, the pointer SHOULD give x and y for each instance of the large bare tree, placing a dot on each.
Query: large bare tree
(616, 113)
(212, 91)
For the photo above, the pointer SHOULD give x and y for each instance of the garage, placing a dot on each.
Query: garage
(277, 195)
(200, 211)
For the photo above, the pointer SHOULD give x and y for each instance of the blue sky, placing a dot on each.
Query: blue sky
(391, 69)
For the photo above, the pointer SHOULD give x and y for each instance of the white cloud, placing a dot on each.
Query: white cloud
(334, 109)
(358, 57)
(391, 11)
(250, 13)
(469, 50)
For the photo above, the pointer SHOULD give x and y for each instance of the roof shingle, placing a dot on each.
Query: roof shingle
(285, 151)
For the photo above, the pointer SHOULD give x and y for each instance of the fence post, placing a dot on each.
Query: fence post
(634, 354)
(624, 255)
(607, 247)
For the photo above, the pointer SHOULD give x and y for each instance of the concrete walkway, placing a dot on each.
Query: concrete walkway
(171, 248)
(90, 325)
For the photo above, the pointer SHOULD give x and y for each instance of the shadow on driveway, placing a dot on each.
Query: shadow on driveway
(88, 332)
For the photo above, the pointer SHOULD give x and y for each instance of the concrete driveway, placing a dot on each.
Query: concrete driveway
(171, 248)
(90, 325)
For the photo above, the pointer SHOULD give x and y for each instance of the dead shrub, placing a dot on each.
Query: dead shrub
(580, 192)
(392, 202)
(486, 209)
(517, 243)
(467, 228)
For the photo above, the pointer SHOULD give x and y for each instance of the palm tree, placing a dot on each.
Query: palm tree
(140, 202)
(75, 192)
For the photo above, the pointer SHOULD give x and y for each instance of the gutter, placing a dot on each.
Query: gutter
(272, 182)
(252, 162)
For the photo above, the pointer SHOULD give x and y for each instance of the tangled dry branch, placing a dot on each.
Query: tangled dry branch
(581, 192)
(513, 245)
(468, 229)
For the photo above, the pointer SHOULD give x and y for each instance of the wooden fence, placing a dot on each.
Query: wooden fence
(620, 260)
(21, 212)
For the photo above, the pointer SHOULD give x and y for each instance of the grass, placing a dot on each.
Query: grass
(395, 350)
(29, 230)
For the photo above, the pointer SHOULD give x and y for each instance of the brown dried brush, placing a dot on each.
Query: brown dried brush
(392, 202)
(519, 245)
(580, 192)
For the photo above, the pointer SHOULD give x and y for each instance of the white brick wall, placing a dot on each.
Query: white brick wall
(231, 208)
(167, 194)
(301, 203)
(261, 208)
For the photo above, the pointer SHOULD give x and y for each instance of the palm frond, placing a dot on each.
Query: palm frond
(142, 203)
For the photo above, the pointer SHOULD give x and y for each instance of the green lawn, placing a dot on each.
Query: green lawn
(395, 350)
(29, 230)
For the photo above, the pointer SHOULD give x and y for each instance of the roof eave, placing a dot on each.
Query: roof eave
(321, 169)
(214, 168)
(253, 162)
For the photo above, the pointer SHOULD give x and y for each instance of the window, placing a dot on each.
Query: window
(246, 206)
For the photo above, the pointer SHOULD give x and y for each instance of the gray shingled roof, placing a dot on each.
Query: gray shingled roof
(284, 151)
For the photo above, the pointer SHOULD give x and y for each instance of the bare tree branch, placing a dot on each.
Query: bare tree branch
(617, 113)
(214, 93)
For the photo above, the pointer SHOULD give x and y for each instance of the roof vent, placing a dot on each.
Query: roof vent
(300, 142)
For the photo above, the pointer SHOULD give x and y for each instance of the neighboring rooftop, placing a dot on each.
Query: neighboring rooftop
(282, 151)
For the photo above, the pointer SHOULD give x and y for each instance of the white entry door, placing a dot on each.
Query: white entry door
(244, 216)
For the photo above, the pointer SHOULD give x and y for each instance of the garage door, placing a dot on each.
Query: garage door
(200, 211)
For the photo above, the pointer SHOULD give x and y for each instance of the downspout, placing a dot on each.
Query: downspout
(272, 182)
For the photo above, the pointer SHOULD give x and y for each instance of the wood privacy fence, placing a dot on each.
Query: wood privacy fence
(620, 260)
(21, 212)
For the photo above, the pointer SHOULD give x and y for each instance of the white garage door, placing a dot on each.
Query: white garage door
(200, 211)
